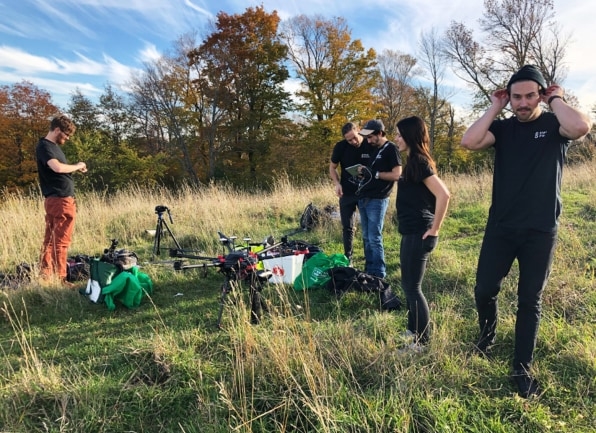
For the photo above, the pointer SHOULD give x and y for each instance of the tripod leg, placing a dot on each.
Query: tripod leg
(165, 224)
(157, 239)
(257, 303)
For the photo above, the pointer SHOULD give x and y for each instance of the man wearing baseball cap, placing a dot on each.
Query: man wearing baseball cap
(530, 148)
(377, 179)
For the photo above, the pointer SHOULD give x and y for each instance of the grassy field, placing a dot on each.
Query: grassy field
(315, 363)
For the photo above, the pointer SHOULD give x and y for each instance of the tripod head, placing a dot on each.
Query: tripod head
(112, 249)
(161, 209)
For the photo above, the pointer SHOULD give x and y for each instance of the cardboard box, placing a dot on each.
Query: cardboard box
(285, 269)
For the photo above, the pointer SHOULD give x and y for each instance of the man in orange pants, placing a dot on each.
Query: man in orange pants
(57, 186)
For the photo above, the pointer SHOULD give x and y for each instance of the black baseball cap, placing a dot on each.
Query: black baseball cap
(371, 126)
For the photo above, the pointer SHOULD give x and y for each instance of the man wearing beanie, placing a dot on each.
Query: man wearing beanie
(530, 147)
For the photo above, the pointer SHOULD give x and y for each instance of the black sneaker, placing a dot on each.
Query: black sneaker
(527, 385)
(484, 348)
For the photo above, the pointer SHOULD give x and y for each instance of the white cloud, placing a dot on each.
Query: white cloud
(45, 39)
(59, 89)
(19, 61)
(149, 53)
(117, 72)
(60, 15)
(17, 65)
(23, 63)
(199, 9)
(578, 22)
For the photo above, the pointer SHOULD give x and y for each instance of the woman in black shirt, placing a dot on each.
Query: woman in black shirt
(422, 201)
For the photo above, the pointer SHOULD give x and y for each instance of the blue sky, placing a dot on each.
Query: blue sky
(63, 45)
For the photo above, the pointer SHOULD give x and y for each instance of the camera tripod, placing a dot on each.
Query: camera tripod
(161, 229)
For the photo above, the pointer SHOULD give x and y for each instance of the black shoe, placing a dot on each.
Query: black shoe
(484, 348)
(526, 384)
(389, 301)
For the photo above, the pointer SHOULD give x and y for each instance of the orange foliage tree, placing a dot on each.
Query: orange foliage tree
(243, 75)
(25, 113)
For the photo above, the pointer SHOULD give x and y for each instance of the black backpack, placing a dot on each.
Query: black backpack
(77, 268)
(345, 278)
(311, 217)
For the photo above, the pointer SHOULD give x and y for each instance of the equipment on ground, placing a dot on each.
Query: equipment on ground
(238, 264)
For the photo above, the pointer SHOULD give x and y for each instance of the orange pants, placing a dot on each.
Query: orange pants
(60, 220)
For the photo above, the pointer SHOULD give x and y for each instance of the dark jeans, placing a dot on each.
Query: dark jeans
(347, 211)
(414, 252)
(534, 251)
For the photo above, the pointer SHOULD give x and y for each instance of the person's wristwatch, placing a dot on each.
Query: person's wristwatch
(555, 97)
(377, 175)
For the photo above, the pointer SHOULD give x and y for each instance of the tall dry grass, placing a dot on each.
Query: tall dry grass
(197, 214)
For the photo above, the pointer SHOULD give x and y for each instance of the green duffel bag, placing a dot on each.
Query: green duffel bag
(101, 275)
(314, 271)
(103, 272)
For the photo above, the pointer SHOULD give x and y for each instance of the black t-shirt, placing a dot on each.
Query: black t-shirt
(52, 184)
(415, 204)
(347, 155)
(385, 159)
(529, 158)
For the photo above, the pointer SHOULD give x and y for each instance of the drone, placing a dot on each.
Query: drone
(238, 263)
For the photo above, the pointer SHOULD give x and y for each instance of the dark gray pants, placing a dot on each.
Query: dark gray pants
(348, 205)
(414, 253)
(534, 251)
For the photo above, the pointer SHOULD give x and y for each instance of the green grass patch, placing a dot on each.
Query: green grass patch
(316, 363)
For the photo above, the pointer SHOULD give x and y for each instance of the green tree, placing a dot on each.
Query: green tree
(118, 121)
(83, 113)
(101, 141)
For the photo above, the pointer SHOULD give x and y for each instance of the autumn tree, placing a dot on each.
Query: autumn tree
(209, 102)
(160, 99)
(516, 32)
(244, 73)
(336, 75)
(25, 111)
(434, 63)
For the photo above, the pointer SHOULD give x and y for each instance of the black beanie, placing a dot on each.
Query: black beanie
(528, 72)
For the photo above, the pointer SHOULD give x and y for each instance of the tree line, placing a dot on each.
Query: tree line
(220, 109)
